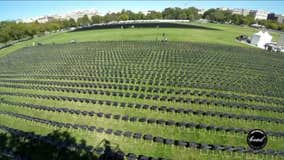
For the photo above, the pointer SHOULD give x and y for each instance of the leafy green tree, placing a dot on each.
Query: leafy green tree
(10, 30)
(72, 22)
(168, 13)
(4, 36)
(140, 15)
(248, 20)
(181, 15)
(282, 27)
(127, 13)
(83, 20)
(236, 19)
(272, 25)
(228, 16)
(218, 15)
(97, 19)
(65, 23)
(192, 13)
(123, 17)
(154, 15)
(110, 17)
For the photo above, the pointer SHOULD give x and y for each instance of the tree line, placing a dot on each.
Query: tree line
(221, 16)
(10, 30)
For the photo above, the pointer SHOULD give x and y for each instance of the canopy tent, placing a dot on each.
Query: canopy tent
(261, 38)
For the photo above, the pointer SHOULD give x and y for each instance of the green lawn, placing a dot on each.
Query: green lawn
(225, 35)
(114, 75)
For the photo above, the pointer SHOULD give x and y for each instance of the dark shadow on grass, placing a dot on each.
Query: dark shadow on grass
(110, 153)
(54, 146)
(145, 25)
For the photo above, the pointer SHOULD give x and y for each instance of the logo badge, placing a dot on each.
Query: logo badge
(257, 139)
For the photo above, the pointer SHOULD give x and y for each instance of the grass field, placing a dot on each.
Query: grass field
(195, 97)
(225, 35)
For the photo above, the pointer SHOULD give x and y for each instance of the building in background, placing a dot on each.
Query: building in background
(258, 14)
(245, 12)
(280, 18)
(78, 14)
(45, 19)
(276, 17)
(240, 11)
(223, 9)
(74, 15)
(237, 11)
(201, 11)
(272, 16)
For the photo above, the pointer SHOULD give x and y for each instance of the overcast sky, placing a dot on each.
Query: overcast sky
(12, 10)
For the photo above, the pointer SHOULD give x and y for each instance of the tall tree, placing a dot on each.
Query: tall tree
(154, 15)
(192, 13)
(110, 17)
(97, 19)
(216, 15)
(83, 20)
(168, 13)
(140, 15)
(123, 17)
(72, 22)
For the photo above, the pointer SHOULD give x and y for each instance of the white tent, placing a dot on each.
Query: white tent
(261, 38)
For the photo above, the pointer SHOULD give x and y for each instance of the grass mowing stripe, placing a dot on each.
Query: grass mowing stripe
(203, 102)
(231, 110)
(163, 81)
(254, 74)
(136, 89)
(92, 79)
(186, 134)
(108, 108)
(137, 117)
(131, 145)
(62, 143)
(75, 130)
(140, 96)
(119, 116)
(193, 118)
(120, 94)
(151, 98)
(154, 139)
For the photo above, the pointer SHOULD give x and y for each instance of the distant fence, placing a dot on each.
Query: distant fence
(8, 44)
(5, 46)
(143, 24)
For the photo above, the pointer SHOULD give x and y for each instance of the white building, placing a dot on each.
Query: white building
(240, 11)
(280, 18)
(223, 9)
(78, 14)
(237, 11)
(75, 15)
(27, 20)
(201, 11)
(260, 38)
(258, 14)
(245, 12)
(45, 19)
